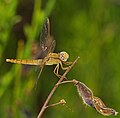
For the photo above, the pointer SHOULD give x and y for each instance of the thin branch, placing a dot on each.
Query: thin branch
(69, 81)
(54, 89)
(63, 102)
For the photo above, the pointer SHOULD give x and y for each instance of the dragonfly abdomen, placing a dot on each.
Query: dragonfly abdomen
(27, 62)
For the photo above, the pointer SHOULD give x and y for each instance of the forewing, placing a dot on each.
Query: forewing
(45, 33)
(47, 44)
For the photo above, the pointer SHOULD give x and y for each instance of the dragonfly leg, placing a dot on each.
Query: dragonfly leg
(64, 68)
(56, 72)
(67, 63)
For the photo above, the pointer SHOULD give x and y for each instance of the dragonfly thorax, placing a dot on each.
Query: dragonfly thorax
(64, 56)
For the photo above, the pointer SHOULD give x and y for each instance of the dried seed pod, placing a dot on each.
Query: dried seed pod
(95, 102)
(85, 93)
(101, 107)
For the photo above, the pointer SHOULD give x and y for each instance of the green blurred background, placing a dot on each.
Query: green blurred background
(86, 28)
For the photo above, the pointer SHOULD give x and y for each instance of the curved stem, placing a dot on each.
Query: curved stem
(69, 81)
(54, 89)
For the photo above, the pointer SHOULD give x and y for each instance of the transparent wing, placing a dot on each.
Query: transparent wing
(40, 71)
(52, 46)
(49, 48)
(47, 44)
(45, 33)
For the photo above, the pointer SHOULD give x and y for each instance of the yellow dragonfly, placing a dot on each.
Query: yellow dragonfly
(46, 55)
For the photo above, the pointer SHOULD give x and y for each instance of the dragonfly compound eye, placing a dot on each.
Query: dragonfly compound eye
(64, 56)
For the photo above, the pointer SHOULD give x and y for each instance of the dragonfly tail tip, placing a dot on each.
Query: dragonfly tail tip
(7, 60)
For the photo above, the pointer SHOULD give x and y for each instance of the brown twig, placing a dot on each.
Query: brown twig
(54, 89)
(69, 81)
(63, 102)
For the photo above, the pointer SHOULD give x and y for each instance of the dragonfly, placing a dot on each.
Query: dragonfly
(46, 56)
(95, 102)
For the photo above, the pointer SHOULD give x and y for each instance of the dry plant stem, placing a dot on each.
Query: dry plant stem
(63, 102)
(69, 81)
(52, 105)
(54, 89)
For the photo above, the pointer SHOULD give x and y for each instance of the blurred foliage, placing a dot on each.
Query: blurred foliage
(89, 29)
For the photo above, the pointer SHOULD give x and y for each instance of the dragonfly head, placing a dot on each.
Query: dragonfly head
(64, 56)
